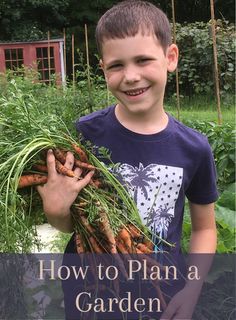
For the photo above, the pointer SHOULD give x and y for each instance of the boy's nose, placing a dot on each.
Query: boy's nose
(131, 75)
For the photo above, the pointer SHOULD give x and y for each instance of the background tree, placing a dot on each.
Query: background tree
(31, 19)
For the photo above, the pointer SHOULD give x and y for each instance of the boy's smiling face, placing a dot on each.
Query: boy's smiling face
(135, 69)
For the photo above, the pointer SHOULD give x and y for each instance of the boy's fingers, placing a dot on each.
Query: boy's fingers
(39, 188)
(77, 172)
(83, 182)
(69, 160)
(51, 164)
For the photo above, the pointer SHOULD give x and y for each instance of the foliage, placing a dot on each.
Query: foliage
(225, 222)
(16, 16)
(225, 232)
(91, 84)
(227, 200)
(60, 242)
(199, 10)
(222, 140)
(69, 102)
(196, 73)
(31, 19)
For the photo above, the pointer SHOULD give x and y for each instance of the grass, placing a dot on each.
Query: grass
(202, 108)
(204, 115)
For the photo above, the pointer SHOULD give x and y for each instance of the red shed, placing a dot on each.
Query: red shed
(44, 56)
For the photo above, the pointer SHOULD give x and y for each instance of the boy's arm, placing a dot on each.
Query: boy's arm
(202, 241)
(60, 191)
(203, 235)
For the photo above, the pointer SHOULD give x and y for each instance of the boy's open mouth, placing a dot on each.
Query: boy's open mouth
(136, 92)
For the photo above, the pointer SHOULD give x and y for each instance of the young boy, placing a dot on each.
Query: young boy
(160, 159)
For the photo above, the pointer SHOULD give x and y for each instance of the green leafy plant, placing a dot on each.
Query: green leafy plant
(225, 217)
(225, 222)
(222, 140)
(196, 74)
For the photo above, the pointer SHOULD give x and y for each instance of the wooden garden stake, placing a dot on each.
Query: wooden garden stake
(88, 68)
(73, 59)
(177, 70)
(217, 86)
(49, 61)
(64, 37)
(108, 95)
(87, 57)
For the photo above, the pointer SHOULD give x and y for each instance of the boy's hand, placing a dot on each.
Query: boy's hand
(182, 305)
(60, 191)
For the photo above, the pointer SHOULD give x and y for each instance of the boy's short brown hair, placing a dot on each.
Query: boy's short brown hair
(128, 17)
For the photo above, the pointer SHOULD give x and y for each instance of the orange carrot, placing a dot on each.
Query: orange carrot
(60, 155)
(124, 235)
(79, 244)
(121, 247)
(82, 155)
(85, 222)
(31, 180)
(142, 247)
(135, 233)
(106, 229)
(148, 243)
(40, 167)
(63, 170)
(95, 246)
(92, 239)
(84, 165)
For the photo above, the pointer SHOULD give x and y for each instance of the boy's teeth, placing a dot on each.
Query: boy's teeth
(135, 92)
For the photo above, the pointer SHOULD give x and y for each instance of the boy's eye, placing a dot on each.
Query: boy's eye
(115, 66)
(144, 60)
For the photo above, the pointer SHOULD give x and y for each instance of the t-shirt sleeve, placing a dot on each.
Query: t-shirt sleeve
(203, 186)
(80, 131)
(78, 126)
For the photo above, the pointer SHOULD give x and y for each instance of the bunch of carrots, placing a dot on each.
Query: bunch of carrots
(32, 179)
(95, 236)
(98, 236)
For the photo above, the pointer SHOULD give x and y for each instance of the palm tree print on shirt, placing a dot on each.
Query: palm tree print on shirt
(155, 189)
(139, 179)
(160, 220)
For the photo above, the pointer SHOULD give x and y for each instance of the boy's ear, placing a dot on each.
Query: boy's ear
(101, 64)
(172, 56)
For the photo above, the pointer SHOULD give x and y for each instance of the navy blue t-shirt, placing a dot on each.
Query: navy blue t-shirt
(158, 169)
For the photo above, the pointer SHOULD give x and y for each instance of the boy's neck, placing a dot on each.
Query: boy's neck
(142, 123)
